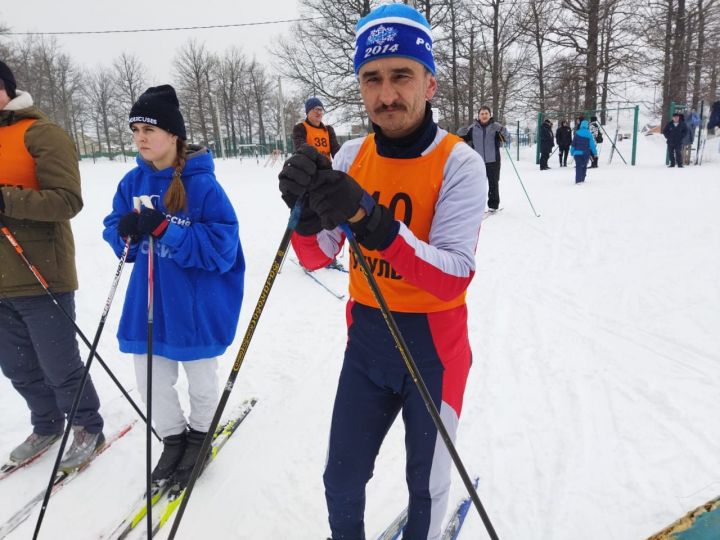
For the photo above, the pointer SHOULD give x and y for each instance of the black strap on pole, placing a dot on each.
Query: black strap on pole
(81, 387)
(418, 380)
(252, 325)
(19, 250)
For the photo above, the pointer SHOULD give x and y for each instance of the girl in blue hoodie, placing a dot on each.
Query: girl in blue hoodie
(583, 148)
(173, 196)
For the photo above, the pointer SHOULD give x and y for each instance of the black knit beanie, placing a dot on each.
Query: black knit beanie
(8, 80)
(159, 107)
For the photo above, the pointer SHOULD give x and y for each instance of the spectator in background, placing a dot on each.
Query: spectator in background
(583, 149)
(486, 136)
(547, 143)
(674, 133)
(596, 132)
(714, 120)
(689, 138)
(563, 137)
(313, 132)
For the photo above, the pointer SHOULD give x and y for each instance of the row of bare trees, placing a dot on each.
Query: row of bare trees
(227, 91)
(525, 56)
(518, 56)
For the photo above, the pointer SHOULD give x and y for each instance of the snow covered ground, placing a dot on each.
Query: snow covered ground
(589, 412)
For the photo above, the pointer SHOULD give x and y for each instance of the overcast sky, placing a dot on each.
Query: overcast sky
(155, 49)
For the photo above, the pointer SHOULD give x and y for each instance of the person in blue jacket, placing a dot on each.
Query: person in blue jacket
(173, 196)
(583, 149)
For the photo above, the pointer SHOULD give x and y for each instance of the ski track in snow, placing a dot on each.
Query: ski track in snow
(588, 408)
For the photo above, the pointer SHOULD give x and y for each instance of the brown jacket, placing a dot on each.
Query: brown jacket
(39, 219)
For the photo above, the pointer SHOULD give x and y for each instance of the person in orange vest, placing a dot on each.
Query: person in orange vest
(39, 194)
(313, 132)
(413, 195)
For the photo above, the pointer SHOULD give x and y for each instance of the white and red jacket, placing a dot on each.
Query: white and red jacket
(439, 199)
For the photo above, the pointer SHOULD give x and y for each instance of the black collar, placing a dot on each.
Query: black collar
(412, 145)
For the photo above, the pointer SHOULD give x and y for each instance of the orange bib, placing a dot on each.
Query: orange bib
(17, 167)
(318, 137)
(410, 189)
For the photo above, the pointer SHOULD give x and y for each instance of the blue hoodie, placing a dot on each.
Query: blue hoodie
(199, 265)
(583, 141)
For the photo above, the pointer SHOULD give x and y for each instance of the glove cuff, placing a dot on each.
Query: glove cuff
(367, 203)
(378, 229)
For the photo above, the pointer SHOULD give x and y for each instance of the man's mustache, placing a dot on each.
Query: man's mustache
(392, 107)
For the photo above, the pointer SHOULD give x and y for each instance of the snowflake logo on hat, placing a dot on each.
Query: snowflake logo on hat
(381, 35)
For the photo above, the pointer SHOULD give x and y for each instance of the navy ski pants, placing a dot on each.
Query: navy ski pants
(40, 356)
(675, 154)
(374, 388)
(581, 162)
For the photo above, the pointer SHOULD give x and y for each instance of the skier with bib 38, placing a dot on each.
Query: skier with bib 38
(198, 275)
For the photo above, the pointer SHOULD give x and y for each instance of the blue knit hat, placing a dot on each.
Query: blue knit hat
(393, 30)
(311, 103)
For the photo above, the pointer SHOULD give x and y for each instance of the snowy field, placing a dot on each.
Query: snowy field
(590, 408)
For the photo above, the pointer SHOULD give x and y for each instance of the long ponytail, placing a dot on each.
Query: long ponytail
(175, 197)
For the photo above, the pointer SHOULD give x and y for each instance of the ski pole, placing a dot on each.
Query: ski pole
(252, 325)
(148, 391)
(521, 183)
(78, 394)
(19, 250)
(417, 379)
(613, 144)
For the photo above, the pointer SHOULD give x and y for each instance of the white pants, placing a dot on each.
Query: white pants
(167, 414)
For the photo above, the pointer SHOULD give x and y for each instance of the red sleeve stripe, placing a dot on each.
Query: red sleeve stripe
(422, 274)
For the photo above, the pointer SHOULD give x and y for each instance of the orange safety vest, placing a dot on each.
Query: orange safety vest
(410, 189)
(17, 166)
(319, 137)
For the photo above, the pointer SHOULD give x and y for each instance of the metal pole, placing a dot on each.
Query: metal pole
(699, 135)
(517, 140)
(282, 117)
(636, 114)
(537, 139)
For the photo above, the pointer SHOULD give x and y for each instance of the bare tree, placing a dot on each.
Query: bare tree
(319, 55)
(101, 92)
(192, 63)
(129, 78)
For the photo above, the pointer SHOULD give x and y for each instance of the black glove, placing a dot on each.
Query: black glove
(128, 227)
(300, 172)
(337, 197)
(376, 230)
(152, 222)
(296, 177)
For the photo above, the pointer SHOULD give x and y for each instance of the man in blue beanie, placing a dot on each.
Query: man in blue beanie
(413, 195)
(313, 132)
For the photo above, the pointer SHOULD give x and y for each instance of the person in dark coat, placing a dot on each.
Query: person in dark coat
(675, 132)
(563, 137)
(547, 142)
(714, 120)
